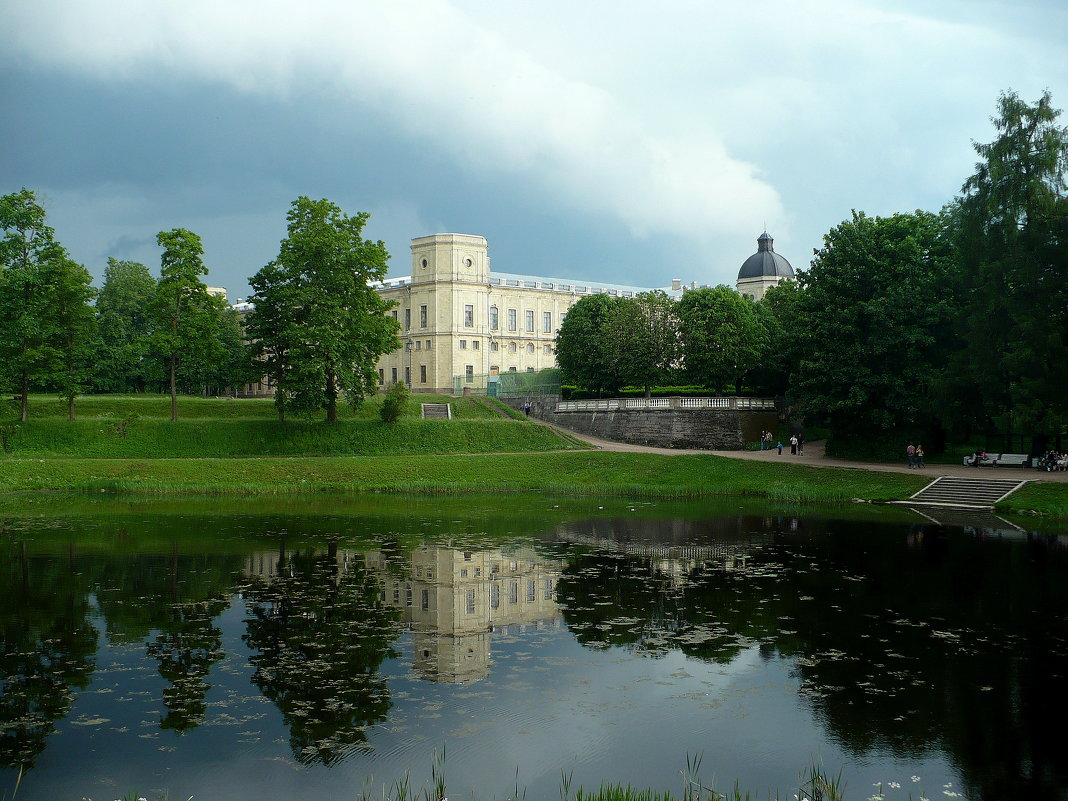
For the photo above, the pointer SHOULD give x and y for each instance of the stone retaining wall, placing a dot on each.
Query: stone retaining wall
(700, 429)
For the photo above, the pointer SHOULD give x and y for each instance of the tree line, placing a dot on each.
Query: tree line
(317, 330)
(942, 324)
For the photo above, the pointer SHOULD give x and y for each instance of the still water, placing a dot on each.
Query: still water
(315, 648)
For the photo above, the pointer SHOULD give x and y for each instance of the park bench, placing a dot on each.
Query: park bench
(1012, 460)
(984, 461)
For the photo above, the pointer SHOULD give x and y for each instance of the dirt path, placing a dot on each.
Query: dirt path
(815, 456)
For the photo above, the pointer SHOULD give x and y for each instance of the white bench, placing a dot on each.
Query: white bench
(1012, 460)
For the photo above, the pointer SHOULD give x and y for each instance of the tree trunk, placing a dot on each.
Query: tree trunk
(174, 393)
(331, 397)
(70, 376)
(25, 396)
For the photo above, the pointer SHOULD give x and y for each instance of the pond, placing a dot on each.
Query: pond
(316, 648)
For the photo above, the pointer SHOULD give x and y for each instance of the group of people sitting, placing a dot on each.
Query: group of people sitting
(1051, 460)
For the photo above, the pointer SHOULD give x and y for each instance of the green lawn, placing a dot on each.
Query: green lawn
(222, 446)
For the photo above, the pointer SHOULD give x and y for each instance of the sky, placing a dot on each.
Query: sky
(625, 142)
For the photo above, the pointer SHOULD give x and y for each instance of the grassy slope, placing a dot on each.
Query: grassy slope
(194, 455)
(562, 472)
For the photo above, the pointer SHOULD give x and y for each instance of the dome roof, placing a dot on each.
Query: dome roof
(765, 262)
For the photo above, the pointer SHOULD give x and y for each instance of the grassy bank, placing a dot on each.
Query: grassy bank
(139, 427)
(627, 474)
(158, 407)
(148, 438)
(238, 447)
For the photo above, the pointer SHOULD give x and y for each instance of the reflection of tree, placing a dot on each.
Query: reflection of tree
(137, 593)
(178, 596)
(186, 648)
(902, 646)
(321, 636)
(611, 599)
(47, 650)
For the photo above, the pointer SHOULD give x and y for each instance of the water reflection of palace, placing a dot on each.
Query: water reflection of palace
(453, 600)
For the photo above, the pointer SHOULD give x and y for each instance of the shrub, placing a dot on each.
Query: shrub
(395, 403)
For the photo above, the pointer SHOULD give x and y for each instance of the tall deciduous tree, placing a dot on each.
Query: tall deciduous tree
(185, 318)
(73, 324)
(1013, 238)
(124, 318)
(641, 340)
(583, 348)
(777, 312)
(271, 328)
(323, 326)
(873, 323)
(722, 337)
(29, 257)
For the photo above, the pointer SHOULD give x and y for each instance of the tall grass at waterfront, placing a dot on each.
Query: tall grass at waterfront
(813, 785)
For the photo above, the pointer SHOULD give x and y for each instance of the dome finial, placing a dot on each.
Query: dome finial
(765, 242)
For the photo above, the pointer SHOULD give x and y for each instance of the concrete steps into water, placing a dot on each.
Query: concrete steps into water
(964, 493)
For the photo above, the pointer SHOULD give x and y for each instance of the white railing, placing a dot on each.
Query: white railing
(634, 404)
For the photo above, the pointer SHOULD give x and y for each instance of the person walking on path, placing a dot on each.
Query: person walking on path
(763, 439)
(920, 456)
(793, 444)
(910, 451)
(780, 447)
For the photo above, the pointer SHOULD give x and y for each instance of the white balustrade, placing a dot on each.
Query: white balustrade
(666, 403)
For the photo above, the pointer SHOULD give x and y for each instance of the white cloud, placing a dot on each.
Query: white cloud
(432, 71)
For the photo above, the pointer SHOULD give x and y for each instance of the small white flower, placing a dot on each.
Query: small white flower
(915, 778)
(895, 785)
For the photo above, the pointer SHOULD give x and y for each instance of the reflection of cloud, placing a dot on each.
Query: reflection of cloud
(445, 78)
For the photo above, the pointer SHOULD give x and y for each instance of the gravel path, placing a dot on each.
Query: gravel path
(814, 456)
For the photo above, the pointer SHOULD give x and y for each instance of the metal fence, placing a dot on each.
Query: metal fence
(509, 384)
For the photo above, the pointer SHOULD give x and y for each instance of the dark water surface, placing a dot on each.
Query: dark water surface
(312, 648)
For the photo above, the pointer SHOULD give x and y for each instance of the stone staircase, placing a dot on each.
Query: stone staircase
(965, 493)
(436, 411)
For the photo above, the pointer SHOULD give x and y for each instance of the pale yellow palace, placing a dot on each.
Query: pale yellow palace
(461, 325)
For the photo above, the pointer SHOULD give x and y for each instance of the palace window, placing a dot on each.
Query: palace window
(422, 374)
(394, 375)
(512, 319)
(547, 322)
(530, 347)
(463, 344)
(530, 321)
(511, 347)
(469, 373)
(469, 316)
(422, 316)
(407, 319)
(474, 344)
(493, 318)
(494, 346)
(381, 376)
